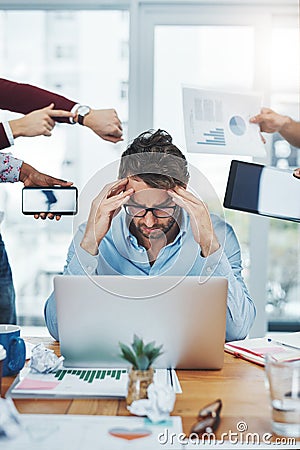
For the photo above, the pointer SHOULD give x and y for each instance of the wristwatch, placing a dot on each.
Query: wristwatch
(82, 111)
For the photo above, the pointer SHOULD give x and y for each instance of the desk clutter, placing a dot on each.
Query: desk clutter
(46, 377)
(83, 382)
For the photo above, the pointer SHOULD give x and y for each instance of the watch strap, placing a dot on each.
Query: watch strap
(80, 119)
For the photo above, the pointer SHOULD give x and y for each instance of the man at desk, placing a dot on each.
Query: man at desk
(147, 224)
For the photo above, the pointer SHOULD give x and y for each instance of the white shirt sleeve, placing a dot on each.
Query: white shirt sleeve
(8, 132)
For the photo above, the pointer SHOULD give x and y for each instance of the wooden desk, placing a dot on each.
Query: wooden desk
(240, 385)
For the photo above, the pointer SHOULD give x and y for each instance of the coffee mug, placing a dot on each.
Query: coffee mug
(15, 349)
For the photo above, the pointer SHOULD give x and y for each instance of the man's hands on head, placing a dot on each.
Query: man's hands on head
(104, 207)
(37, 123)
(105, 123)
(201, 224)
(32, 177)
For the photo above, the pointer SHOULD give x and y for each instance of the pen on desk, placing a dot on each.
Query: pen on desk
(171, 377)
(282, 343)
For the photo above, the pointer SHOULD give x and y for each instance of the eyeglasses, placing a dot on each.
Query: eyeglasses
(161, 213)
(208, 419)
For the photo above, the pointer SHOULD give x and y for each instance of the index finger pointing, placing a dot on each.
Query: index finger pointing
(60, 113)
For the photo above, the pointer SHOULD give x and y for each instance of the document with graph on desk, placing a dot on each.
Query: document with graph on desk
(67, 383)
(285, 347)
(73, 432)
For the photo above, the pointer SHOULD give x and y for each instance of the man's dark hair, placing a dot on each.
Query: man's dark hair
(156, 160)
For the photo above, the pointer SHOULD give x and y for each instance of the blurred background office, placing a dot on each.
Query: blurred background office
(134, 55)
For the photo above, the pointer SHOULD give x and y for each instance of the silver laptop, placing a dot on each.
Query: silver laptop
(187, 315)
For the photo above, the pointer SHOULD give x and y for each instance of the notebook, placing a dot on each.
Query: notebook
(284, 348)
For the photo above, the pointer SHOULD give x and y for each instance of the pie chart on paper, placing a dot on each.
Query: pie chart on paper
(237, 125)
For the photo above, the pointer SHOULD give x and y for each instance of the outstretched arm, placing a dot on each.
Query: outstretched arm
(37, 123)
(271, 122)
(24, 98)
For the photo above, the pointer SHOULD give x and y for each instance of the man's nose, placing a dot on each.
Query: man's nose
(149, 219)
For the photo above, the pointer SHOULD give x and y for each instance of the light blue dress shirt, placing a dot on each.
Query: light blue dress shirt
(120, 254)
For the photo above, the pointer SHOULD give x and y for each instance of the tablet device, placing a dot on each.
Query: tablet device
(263, 190)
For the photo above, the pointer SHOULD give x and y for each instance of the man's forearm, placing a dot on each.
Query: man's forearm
(24, 98)
(291, 132)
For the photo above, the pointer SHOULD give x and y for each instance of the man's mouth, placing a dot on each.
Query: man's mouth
(150, 230)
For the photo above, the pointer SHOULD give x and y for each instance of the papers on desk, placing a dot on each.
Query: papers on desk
(218, 122)
(285, 348)
(74, 382)
(29, 346)
(75, 432)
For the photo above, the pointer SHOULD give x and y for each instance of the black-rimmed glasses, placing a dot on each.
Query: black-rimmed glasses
(161, 213)
(208, 419)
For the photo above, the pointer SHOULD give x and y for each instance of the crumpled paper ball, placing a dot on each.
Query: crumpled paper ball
(10, 424)
(44, 360)
(159, 404)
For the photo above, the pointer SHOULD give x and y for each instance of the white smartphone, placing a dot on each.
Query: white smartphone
(55, 200)
(263, 190)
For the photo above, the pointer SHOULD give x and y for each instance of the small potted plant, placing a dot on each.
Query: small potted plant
(141, 357)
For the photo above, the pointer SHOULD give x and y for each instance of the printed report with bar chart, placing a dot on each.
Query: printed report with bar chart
(218, 122)
(82, 383)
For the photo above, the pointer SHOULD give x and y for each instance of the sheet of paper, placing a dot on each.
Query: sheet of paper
(29, 346)
(218, 122)
(290, 339)
(74, 432)
(83, 383)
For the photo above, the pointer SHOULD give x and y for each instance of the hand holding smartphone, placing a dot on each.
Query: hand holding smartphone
(54, 200)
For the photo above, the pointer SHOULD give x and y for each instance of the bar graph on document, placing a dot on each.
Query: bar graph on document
(83, 382)
(219, 122)
(90, 375)
(215, 136)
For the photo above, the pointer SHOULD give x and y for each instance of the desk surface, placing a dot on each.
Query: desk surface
(240, 385)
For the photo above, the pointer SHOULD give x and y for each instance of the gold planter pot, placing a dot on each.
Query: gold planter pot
(138, 383)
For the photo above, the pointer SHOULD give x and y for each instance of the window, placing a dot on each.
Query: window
(200, 53)
(67, 52)
(283, 286)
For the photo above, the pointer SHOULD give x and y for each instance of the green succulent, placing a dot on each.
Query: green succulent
(141, 356)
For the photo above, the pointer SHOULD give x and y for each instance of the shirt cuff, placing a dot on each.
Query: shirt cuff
(83, 263)
(216, 264)
(8, 132)
(10, 168)
(73, 111)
